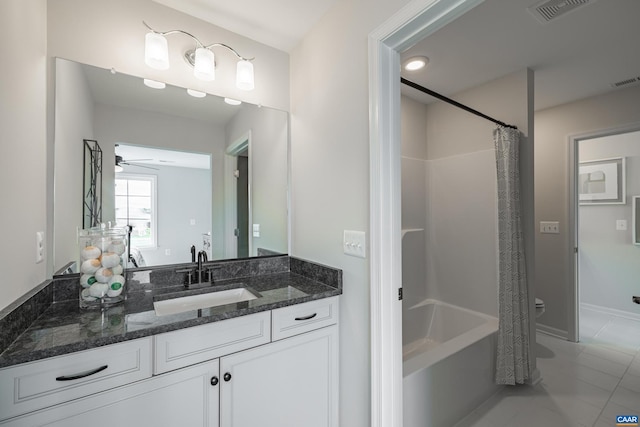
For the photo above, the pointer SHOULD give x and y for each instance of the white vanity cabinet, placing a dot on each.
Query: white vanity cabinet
(289, 383)
(185, 397)
(271, 369)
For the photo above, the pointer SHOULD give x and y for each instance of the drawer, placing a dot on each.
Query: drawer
(300, 318)
(35, 385)
(177, 349)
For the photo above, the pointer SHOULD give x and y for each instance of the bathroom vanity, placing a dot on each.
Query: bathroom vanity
(271, 361)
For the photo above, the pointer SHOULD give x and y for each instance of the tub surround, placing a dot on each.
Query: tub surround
(48, 322)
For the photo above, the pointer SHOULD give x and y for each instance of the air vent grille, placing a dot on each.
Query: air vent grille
(548, 10)
(627, 82)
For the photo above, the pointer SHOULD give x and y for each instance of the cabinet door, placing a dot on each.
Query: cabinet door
(289, 383)
(186, 397)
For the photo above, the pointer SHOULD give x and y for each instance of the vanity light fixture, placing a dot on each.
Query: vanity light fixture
(415, 63)
(154, 84)
(201, 57)
(232, 101)
(196, 93)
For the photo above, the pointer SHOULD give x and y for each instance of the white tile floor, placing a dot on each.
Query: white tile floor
(584, 384)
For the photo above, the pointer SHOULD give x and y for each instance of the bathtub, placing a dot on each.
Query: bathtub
(449, 370)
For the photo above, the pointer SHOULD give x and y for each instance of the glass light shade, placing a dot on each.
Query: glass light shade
(119, 168)
(204, 67)
(156, 51)
(244, 75)
(196, 93)
(154, 84)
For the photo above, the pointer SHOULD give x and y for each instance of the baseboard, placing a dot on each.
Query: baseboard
(611, 311)
(554, 332)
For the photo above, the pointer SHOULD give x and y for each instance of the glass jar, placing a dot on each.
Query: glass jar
(102, 266)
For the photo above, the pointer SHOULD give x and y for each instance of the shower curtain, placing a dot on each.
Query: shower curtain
(512, 364)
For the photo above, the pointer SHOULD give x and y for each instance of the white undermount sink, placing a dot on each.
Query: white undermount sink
(195, 302)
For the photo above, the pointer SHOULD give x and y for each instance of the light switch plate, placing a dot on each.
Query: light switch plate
(354, 243)
(39, 246)
(550, 227)
(621, 224)
(256, 230)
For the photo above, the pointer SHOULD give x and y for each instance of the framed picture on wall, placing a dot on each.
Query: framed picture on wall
(602, 182)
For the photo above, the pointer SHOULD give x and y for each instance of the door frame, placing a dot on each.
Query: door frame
(573, 272)
(230, 195)
(417, 20)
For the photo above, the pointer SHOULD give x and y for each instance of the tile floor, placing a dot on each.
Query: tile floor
(583, 384)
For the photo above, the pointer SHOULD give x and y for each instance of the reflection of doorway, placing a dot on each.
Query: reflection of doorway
(242, 202)
(237, 183)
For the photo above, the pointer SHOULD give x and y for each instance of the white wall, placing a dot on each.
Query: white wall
(181, 197)
(608, 259)
(269, 172)
(553, 128)
(73, 123)
(23, 150)
(330, 173)
(124, 125)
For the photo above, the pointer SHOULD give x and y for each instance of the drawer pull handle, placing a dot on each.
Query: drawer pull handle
(82, 375)
(214, 381)
(227, 377)
(311, 316)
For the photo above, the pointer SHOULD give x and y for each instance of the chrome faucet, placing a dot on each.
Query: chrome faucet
(202, 257)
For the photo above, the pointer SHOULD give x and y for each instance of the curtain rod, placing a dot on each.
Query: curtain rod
(454, 103)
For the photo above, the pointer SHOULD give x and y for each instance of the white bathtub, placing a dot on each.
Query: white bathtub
(449, 371)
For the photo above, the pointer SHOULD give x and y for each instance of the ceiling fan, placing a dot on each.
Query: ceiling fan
(121, 161)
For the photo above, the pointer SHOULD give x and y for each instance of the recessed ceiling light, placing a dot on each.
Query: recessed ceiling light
(154, 84)
(196, 93)
(416, 63)
(232, 101)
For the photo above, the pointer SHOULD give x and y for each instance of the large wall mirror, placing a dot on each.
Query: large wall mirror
(181, 170)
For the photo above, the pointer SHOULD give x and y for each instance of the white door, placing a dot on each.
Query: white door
(288, 383)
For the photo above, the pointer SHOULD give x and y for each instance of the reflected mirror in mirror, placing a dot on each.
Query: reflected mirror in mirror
(191, 171)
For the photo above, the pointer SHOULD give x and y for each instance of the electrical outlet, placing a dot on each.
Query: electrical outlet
(192, 221)
(550, 227)
(621, 224)
(354, 244)
(167, 252)
(39, 247)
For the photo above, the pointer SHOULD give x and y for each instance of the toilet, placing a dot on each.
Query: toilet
(539, 307)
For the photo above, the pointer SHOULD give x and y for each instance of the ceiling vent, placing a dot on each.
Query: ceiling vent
(548, 10)
(627, 82)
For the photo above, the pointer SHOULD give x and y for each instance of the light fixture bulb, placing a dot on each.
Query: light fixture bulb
(204, 67)
(244, 75)
(156, 51)
(416, 63)
(232, 101)
(154, 84)
(118, 168)
(196, 93)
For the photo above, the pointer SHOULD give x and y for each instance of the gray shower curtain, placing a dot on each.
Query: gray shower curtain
(512, 365)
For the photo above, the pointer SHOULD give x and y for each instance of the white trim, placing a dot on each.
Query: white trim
(411, 24)
(573, 333)
(611, 311)
(554, 332)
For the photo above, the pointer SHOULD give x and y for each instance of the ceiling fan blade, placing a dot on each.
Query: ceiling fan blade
(140, 166)
(138, 160)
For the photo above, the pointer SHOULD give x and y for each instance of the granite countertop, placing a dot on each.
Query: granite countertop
(64, 328)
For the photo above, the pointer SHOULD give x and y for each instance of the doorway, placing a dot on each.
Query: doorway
(242, 202)
(237, 184)
(605, 172)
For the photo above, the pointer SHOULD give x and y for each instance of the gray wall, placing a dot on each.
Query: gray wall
(25, 157)
(269, 173)
(608, 259)
(553, 128)
(182, 195)
(73, 123)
